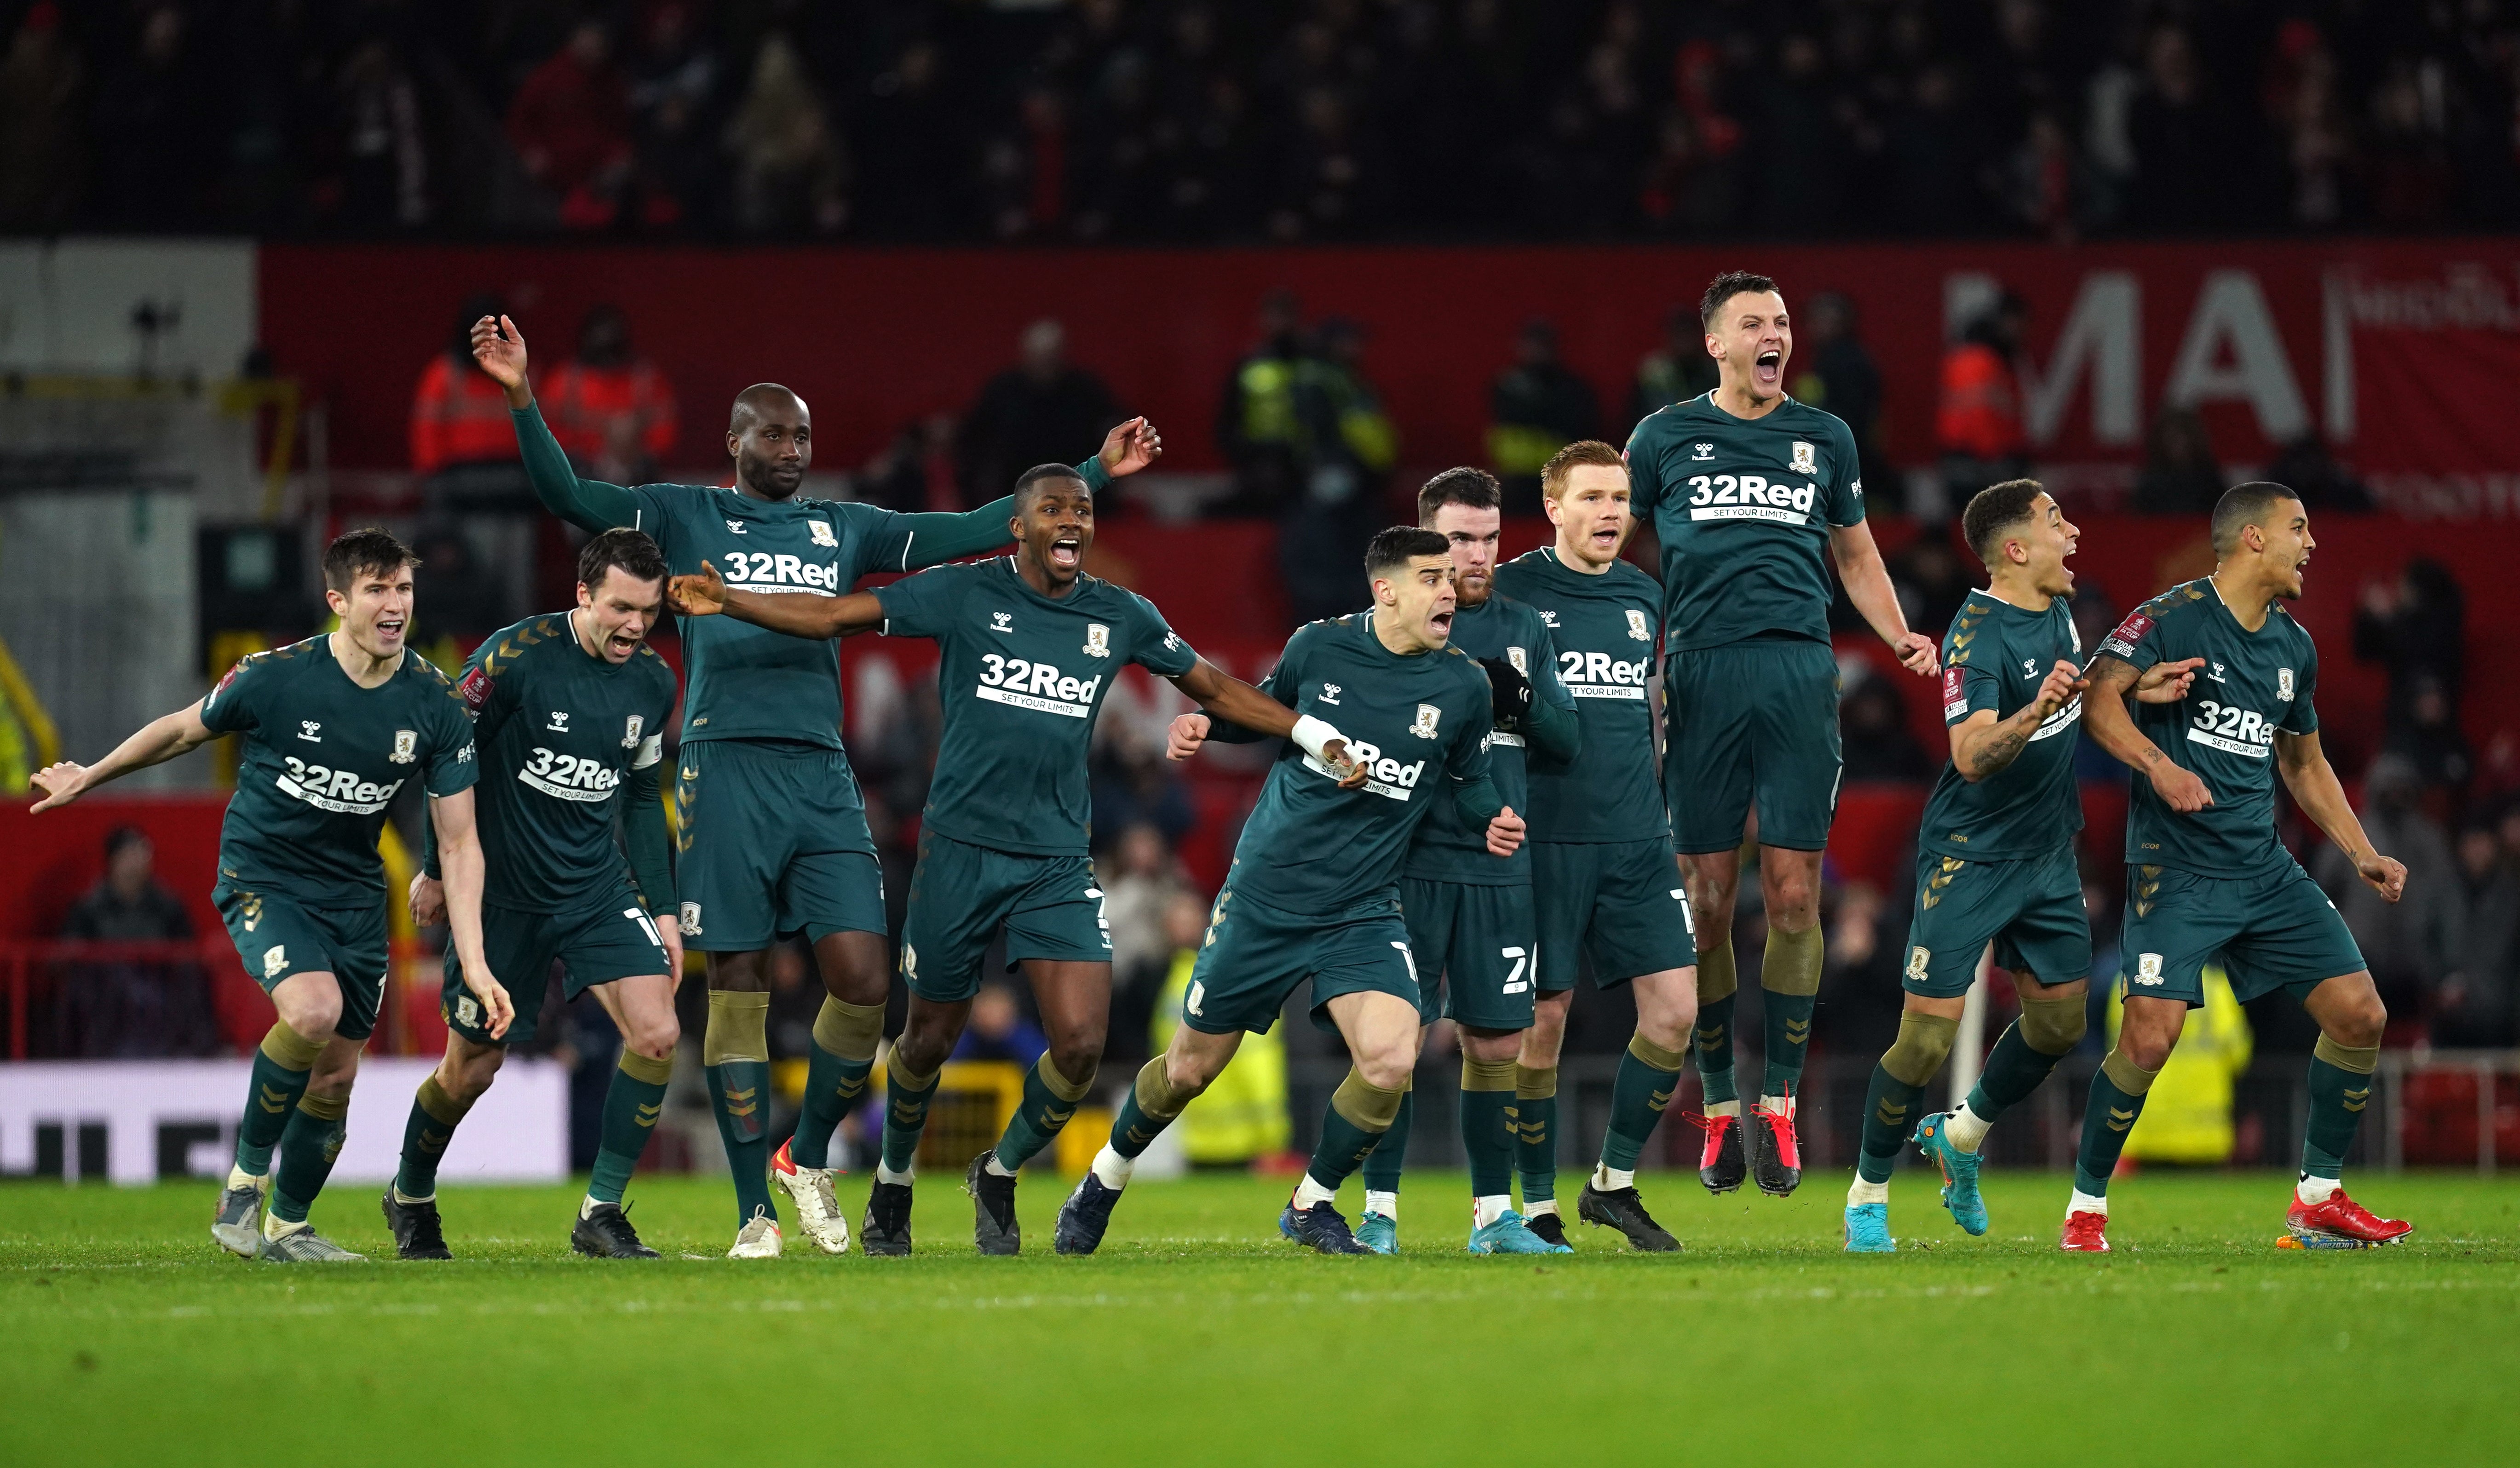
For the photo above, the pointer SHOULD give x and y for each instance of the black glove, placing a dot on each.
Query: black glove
(1512, 693)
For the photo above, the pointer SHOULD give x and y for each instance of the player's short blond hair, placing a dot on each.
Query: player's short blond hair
(1563, 464)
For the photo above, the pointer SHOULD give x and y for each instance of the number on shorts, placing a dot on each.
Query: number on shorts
(1515, 982)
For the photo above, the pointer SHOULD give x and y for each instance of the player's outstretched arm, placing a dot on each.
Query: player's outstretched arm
(2105, 719)
(158, 741)
(458, 854)
(1868, 586)
(588, 504)
(2322, 797)
(936, 537)
(1982, 745)
(1242, 714)
(706, 594)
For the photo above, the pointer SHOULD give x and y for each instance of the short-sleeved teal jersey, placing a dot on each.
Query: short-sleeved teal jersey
(1605, 628)
(323, 759)
(1994, 657)
(1023, 675)
(560, 731)
(747, 682)
(1418, 724)
(1446, 850)
(1743, 508)
(2252, 685)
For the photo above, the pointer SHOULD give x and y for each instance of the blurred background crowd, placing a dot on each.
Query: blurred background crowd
(1201, 121)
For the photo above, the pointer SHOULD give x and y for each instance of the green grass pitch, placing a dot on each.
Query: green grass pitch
(1198, 1337)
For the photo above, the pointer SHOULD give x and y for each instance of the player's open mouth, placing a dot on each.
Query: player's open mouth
(1066, 554)
(1769, 364)
(1441, 623)
(389, 629)
(623, 643)
(1606, 537)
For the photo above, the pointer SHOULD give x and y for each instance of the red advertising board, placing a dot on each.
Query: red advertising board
(2402, 353)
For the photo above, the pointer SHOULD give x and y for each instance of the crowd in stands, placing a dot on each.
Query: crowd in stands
(1270, 121)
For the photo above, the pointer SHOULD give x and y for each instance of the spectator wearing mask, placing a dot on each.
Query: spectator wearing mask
(1536, 407)
(2472, 1006)
(2180, 475)
(1977, 410)
(1032, 413)
(134, 1007)
(608, 406)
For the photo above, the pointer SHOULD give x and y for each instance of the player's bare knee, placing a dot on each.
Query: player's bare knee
(2360, 1022)
(654, 1037)
(1388, 1064)
(1077, 1057)
(922, 1050)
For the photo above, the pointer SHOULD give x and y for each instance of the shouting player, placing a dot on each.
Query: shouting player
(1313, 891)
(1994, 856)
(2207, 877)
(1470, 911)
(774, 839)
(1752, 495)
(1601, 859)
(333, 727)
(569, 711)
(1031, 647)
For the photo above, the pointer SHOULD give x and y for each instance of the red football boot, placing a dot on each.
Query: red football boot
(2086, 1234)
(2340, 1217)
(1776, 1153)
(1720, 1165)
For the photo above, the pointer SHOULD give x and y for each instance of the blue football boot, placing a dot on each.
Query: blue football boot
(1510, 1233)
(1960, 1174)
(1868, 1230)
(1379, 1232)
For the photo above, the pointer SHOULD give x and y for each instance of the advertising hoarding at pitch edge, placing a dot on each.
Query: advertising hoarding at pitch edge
(2398, 352)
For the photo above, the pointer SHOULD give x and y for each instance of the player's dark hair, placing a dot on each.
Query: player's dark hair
(1473, 487)
(1583, 451)
(1723, 288)
(747, 405)
(1993, 510)
(363, 551)
(1392, 549)
(2243, 505)
(631, 550)
(1043, 473)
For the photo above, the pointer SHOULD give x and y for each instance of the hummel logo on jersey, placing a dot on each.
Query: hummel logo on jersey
(2216, 674)
(2283, 684)
(2030, 666)
(406, 746)
(2148, 970)
(1172, 640)
(1097, 640)
(1637, 626)
(1548, 618)
(1330, 693)
(734, 527)
(558, 723)
(822, 530)
(1703, 451)
(1002, 621)
(1806, 458)
(309, 730)
(1427, 715)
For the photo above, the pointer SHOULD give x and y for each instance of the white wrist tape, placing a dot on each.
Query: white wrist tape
(1312, 734)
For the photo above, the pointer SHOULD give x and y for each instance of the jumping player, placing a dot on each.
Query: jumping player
(333, 727)
(1031, 647)
(1313, 891)
(569, 711)
(1602, 860)
(1994, 857)
(1752, 496)
(2207, 877)
(1469, 912)
(774, 838)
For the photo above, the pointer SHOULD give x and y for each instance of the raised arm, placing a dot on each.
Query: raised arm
(1868, 586)
(2316, 789)
(705, 595)
(158, 741)
(936, 537)
(2106, 720)
(588, 504)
